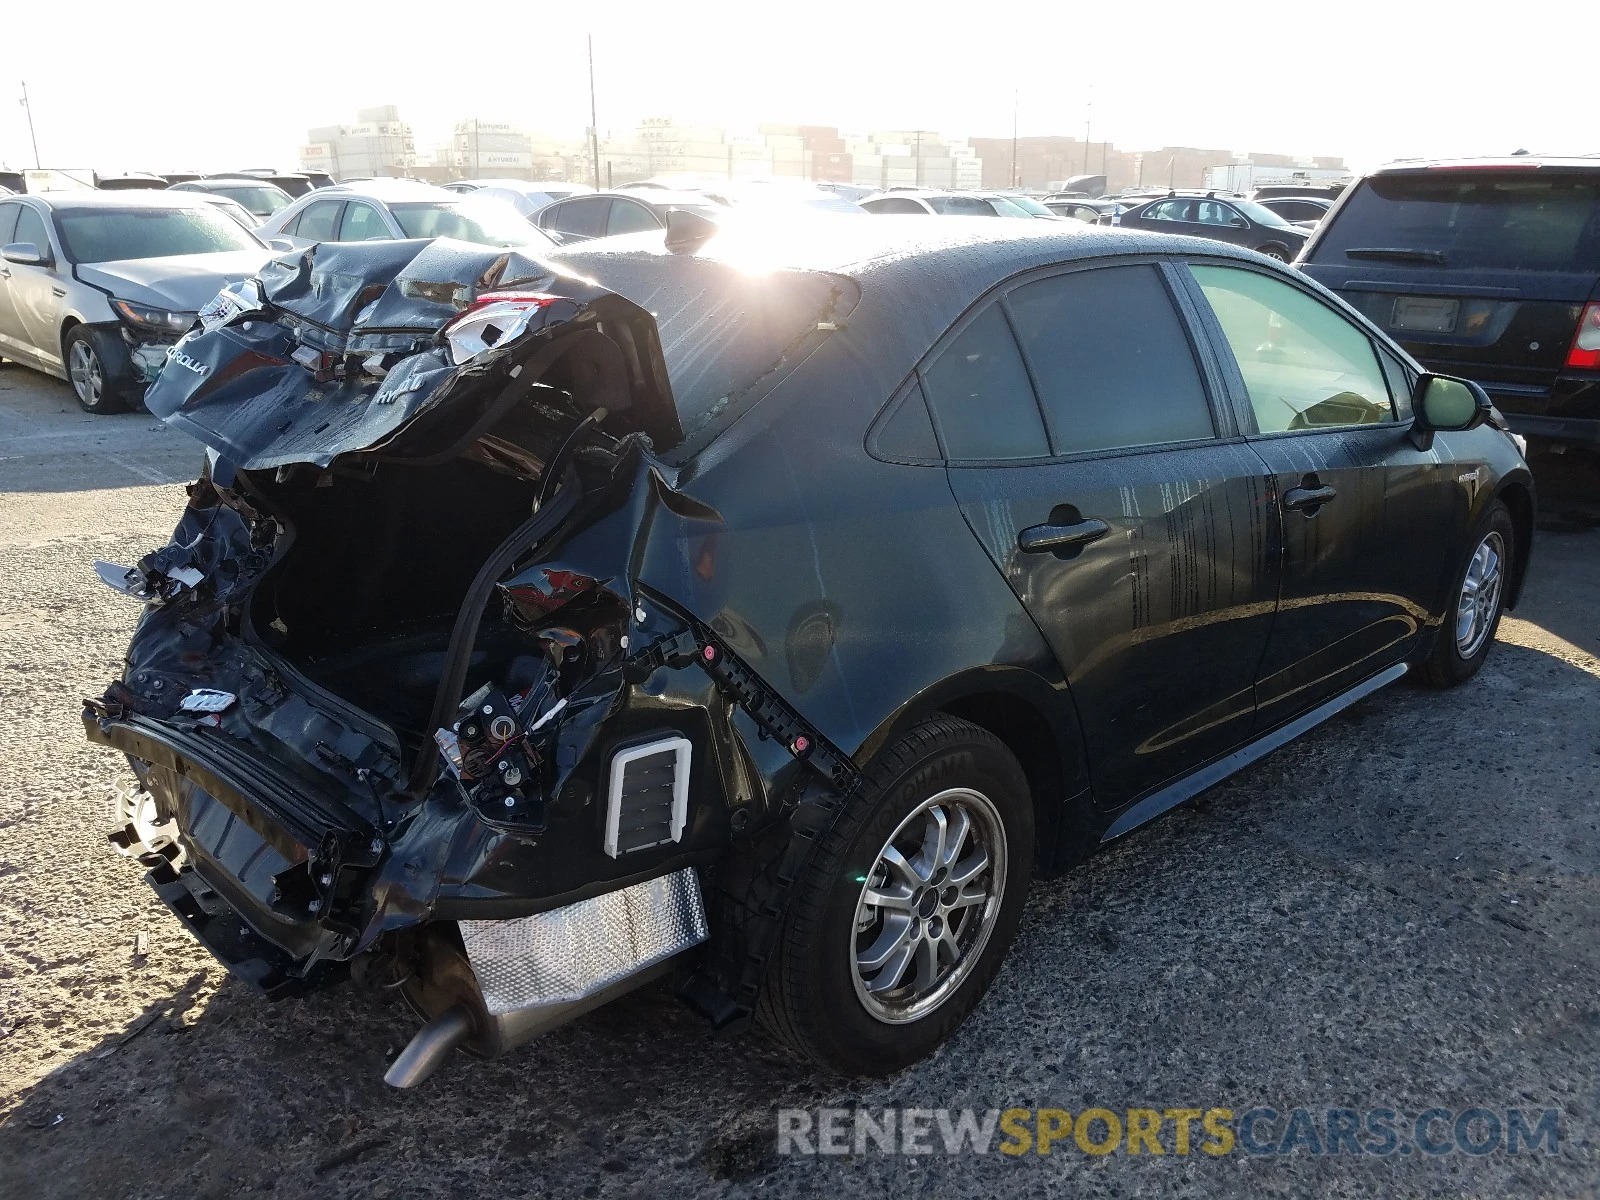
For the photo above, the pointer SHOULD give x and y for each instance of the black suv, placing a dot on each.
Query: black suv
(1488, 268)
(1221, 219)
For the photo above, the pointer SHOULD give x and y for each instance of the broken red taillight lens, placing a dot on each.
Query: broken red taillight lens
(491, 318)
(1585, 352)
(513, 296)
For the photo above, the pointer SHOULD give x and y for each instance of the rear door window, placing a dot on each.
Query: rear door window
(1504, 220)
(585, 217)
(979, 391)
(320, 221)
(1305, 365)
(1112, 360)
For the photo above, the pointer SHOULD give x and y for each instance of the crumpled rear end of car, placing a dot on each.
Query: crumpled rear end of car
(402, 695)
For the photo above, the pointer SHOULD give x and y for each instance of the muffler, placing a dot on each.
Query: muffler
(502, 983)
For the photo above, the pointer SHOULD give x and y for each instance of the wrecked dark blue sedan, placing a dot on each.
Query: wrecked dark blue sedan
(766, 609)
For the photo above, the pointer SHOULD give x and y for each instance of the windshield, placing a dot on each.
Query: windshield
(1028, 205)
(486, 222)
(1258, 213)
(114, 235)
(261, 200)
(1507, 220)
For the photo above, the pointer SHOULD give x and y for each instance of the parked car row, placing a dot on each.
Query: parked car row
(395, 209)
(1484, 268)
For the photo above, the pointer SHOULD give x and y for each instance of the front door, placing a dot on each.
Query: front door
(38, 292)
(1368, 519)
(1088, 458)
(10, 320)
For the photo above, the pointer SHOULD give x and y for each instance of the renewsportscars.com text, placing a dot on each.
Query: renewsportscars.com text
(1262, 1130)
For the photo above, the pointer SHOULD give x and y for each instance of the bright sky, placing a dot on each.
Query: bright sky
(218, 87)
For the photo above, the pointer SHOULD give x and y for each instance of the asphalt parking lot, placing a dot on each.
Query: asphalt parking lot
(1396, 911)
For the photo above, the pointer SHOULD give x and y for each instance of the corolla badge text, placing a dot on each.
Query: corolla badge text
(184, 360)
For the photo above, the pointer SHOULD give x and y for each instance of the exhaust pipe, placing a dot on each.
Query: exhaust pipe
(425, 1053)
(506, 982)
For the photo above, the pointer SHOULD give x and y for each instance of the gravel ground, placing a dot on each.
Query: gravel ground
(1397, 911)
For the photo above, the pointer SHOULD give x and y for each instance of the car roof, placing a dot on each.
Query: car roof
(654, 197)
(212, 183)
(945, 265)
(384, 190)
(135, 198)
(1508, 162)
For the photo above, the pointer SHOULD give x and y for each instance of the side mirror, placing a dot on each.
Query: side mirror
(282, 245)
(1445, 404)
(1239, 223)
(25, 254)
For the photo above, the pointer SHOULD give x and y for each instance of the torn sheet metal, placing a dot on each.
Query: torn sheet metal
(340, 347)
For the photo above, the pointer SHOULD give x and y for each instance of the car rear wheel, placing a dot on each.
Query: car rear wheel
(907, 907)
(94, 384)
(1477, 601)
(1274, 252)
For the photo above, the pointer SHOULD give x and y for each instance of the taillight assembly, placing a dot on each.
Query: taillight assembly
(491, 319)
(1585, 352)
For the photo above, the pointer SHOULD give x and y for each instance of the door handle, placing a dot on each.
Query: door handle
(55, 291)
(1311, 494)
(5, 273)
(1037, 539)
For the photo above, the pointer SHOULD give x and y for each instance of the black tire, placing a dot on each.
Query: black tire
(98, 372)
(810, 1000)
(1450, 662)
(1274, 252)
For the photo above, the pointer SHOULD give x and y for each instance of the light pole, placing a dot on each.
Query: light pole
(1013, 138)
(31, 135)
(594, 121)
(1088, 122)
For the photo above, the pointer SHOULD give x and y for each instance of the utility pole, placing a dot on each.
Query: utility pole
(1088, 122)
(917, 134)
(31, 135)
(1013, 138)
(477, 164)
(594, 121)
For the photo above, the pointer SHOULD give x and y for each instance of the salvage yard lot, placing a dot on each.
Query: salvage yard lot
(1396, 911)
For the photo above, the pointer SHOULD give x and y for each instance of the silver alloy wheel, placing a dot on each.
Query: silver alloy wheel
(83, 366)
(1275, 254)
(1480, 595)
(928, 905)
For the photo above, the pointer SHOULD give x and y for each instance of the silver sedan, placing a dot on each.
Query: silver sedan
(96, 287)
(389, 209)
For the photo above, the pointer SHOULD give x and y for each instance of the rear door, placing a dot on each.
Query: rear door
(1477, 272)
(1090, 456)
(1368, 520)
